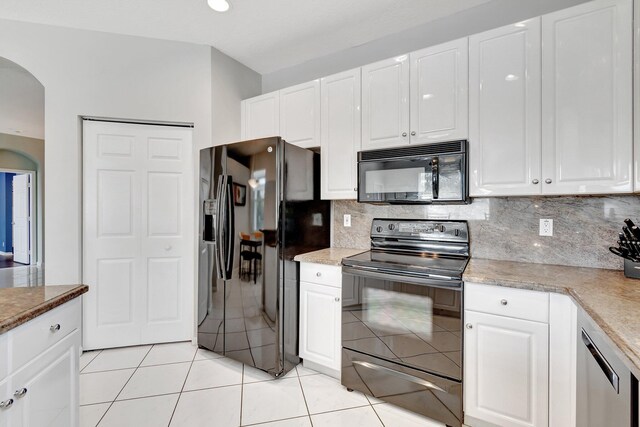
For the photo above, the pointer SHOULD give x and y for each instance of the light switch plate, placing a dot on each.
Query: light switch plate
(546, 227)
(347, 220)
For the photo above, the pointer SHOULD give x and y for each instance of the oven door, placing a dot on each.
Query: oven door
(430, 179)
(415, 322)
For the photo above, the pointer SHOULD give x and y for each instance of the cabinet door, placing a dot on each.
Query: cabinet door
(300, 114)
(260, 116)
(506, 364)
(50, 387)
(320, 309)
(340, 134)
(385, 103)
(586, 98)
(439, 102)
(504, 110)
(7, 400)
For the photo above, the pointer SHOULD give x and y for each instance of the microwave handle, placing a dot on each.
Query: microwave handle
(435, 177)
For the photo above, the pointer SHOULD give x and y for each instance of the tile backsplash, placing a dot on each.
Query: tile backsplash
(507, 228)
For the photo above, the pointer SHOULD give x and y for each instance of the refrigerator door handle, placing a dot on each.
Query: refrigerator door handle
(230, 224)
(218, 231)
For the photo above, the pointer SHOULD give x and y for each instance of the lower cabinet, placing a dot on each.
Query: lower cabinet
(44, 389)
(506, 370)
(320, 322)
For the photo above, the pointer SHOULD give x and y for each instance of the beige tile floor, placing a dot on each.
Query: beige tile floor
(180, 385)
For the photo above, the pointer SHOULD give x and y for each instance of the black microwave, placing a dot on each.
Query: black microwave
(420, 174)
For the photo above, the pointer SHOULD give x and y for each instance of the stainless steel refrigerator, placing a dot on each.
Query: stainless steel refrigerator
(259, 207)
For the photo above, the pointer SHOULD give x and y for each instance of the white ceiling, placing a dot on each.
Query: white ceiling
(265, 35)
(21, 101)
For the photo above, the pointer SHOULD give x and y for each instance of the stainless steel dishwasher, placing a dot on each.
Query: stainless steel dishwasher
(607, 392)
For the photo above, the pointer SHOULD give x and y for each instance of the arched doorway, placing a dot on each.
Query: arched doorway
(21, 169)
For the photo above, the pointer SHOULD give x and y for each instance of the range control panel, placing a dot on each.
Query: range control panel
(420, 229)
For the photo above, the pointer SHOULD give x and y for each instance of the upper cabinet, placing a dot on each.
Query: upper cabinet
(292, 113)
(300, 114)
(261, 116)
(416, 98)
(587, 98)
(385, 103)
(438, 93)
(340, 134)
(504, 110)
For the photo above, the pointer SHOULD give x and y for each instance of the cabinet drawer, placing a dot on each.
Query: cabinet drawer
(329, 275)
(4, 357)
(39, 334)
(516, 303)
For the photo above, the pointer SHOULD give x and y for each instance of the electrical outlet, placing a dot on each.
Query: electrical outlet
(347, 220)
(546, 227)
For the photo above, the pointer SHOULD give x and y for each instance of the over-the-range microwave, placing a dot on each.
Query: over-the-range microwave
(420, 174)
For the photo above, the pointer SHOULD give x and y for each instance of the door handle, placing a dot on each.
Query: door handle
(230, 224)
(401, 375)
(602, 362)
(218, 230)
(435, 177)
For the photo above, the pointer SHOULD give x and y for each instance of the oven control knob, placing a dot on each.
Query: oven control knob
(442, 228)
(379, 229)
(392, 227)
(457, 232)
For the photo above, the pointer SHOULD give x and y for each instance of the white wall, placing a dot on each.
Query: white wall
(231, 82)
(493, 14)
(21, 101)
(33, 149)
(99, 74)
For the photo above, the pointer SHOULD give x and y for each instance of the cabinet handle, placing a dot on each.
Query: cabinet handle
(535, 181)
(504, 302)
(21, 392)
(337, 299)
(413, 133)
(355, 189)
(6, 404)
(318, 274)
(469, 326)
(548, 181)
(404, 134)
(55, 328)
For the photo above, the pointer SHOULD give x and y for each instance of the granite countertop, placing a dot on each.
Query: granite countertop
(328, 256)
(611, 299)
(19, 305)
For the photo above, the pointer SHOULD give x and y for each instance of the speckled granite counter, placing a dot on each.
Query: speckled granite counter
(329, 256)
(21, 304)
(611, 299)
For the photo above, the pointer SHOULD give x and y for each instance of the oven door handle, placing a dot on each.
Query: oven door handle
(398, 374)
(374, 273)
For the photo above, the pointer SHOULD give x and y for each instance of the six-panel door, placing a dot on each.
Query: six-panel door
(137, 234)
(506, 368)
(504, 111)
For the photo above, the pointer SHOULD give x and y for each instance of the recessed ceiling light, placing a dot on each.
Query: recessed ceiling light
(218, 5)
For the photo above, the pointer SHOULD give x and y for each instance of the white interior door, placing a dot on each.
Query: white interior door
(138, 240)
(21, 218)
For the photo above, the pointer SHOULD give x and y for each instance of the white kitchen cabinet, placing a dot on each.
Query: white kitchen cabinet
(46, 390)
(504, 111)
(506, 362)
(340, 134)
(42, 370)
(300, 114)
(320, 318)
(587, 99)
(260, 116)
(385, 103)
(438, 93)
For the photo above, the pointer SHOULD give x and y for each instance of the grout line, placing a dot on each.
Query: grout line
(90, 361)
(304, 397)
(275, 421)
(342, 409)
(241, 393)
(125, 384)
(376, 412)
(138, 366)
(195, 353)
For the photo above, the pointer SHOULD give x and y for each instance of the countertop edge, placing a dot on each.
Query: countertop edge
(328, 256)
(624, 350)
(42, 308)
